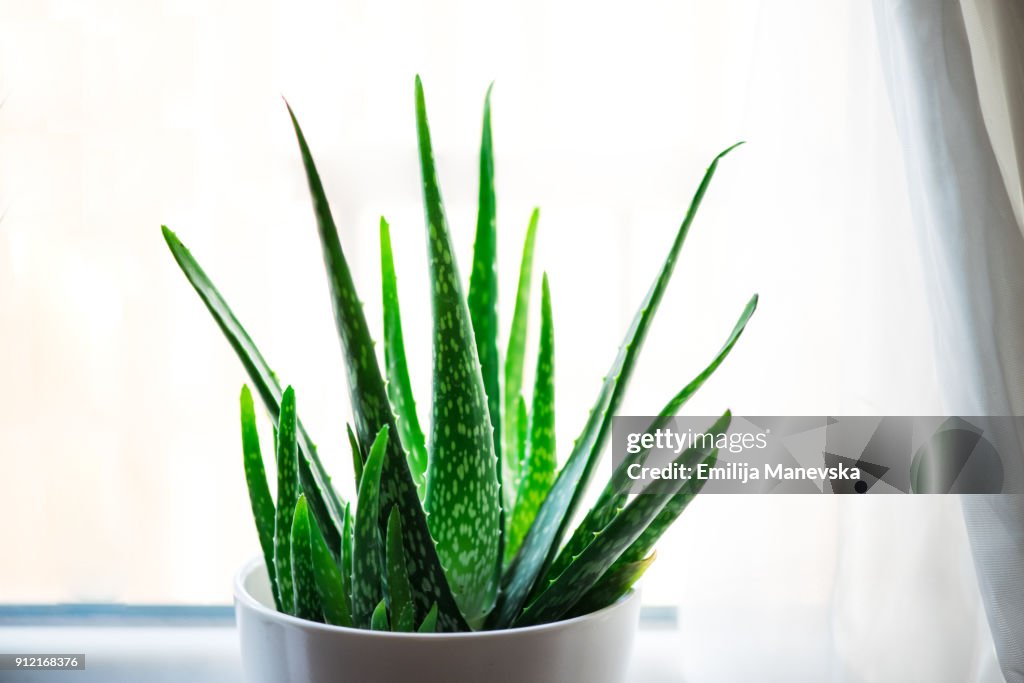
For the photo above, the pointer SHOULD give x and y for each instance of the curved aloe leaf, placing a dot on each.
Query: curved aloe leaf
(287, 496)
(483, 280)
(327, 506)
(429, 624)
(585, 569)
(613, 495)
(540, 463)
(379, 618)
(307, 600)
(259, 492)
(330, 581)
(368, 556)
(612, 586)
(399, 387)
(403, 617)
(541, 543)
(515, 353)
(372, 411)
(462, 486)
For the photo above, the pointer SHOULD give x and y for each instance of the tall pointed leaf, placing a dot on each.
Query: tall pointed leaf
(514, 356)
(628, 524)
(403, 613)
(287, 496)
(541, 542)
(482, 300)
(368, 555)
(399, 387)
(540, 462)
(483, 280)
(372, 411)
(259, 492)
(327, 506)
(306, 597)
(462, 487)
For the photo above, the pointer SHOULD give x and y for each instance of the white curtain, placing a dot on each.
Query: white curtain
(959, 117)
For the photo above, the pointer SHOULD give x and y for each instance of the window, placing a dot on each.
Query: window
(119, 442)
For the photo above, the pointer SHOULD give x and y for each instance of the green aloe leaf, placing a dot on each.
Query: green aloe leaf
(287, 497)
(368, 556)
(259, 492)
(357, 454)
(541, 543)
(399, 387)
(540, 463)
(612, 586)
(483, 280)
(429, 624)
(307, 600)
(462, 486)
(482, 300)
(515, 354)
(372, 410)
(379, 618)
(612, 496)
(403, 613)
(327, 506)
(331, 585)
(585, 569)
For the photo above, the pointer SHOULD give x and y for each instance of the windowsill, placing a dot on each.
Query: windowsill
(199, 645)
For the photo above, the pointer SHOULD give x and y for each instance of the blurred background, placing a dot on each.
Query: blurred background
(120, 460)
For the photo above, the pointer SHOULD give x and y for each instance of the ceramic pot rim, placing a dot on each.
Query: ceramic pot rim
(244, 598)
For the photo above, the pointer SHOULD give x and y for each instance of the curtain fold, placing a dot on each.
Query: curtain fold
(972, 250)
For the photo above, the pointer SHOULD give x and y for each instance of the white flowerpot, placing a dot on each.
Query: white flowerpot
(277, 648)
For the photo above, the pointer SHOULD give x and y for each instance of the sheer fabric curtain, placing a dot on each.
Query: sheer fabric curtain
(959, 117)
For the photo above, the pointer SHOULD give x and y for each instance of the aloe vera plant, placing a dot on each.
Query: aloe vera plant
(461, 525)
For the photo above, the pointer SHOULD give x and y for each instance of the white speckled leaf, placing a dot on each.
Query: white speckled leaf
(307, 599)
(372, 410)
(462, 498)
(287, 496)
